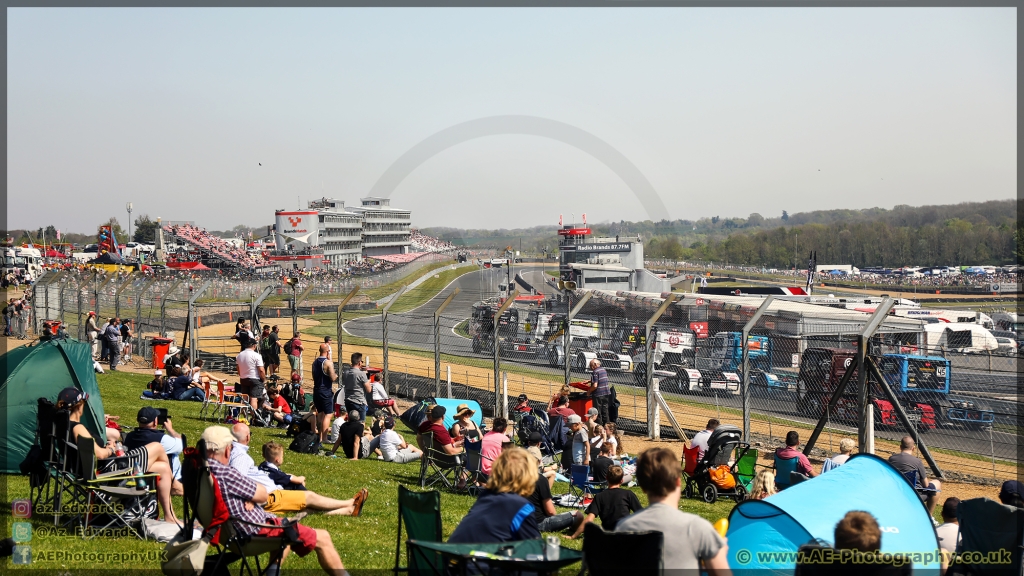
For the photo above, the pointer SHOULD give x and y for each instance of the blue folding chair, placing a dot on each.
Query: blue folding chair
(786, 474)
(922, 492)
(580, 483)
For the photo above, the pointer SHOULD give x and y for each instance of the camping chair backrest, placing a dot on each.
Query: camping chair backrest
(202, 493)
(421, 514)
(603, 552)
(990, 526)
(898, 566)
(746, 466)
(474, 463)
(580, 475)
(86, 457)
(783, 468)
(690, 457)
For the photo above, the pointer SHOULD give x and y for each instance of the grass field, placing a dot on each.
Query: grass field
(364, 543)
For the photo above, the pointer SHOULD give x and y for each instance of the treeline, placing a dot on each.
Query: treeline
(967, 233)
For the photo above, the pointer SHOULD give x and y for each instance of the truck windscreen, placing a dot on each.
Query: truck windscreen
(926, 375)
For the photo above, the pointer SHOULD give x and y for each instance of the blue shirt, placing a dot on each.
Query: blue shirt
(600, 377)
(497, 517)
(321, 383)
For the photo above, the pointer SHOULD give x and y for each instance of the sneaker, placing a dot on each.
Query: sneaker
(359, 500)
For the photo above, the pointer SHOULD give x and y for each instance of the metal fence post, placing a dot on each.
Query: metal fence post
(341, 320)
(192, 325)
(384, 331)
(117, 296)
(746, 363)
(495, 345)
(437, 341)
(570, 313)
(653, 417)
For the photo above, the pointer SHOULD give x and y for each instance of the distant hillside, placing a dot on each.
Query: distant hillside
(967, 233)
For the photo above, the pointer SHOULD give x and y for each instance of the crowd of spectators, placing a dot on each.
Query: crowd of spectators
(423, 243)
(217, 247)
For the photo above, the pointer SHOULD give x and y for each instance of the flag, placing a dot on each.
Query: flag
(559, 219)
(58, 234)
(584, 219)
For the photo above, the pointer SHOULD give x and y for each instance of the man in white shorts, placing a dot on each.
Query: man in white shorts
(393, 447)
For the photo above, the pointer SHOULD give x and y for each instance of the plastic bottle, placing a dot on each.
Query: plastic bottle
(140, 482)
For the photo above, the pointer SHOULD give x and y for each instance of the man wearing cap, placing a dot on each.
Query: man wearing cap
(245, 500)
(1011, 493)
(147, 432)
(356, 385)
(250, 373)
(562, 409)
(580, 441)
(393, 448)
(523, 405)
(600, 390)
(93, 331)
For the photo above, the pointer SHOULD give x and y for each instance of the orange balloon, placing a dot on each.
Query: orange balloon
(722, 526)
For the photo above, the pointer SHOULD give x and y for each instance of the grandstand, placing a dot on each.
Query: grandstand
(422, 243)
(215, 252)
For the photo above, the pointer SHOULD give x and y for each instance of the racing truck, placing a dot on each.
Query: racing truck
(673, 349)
(536, 338)
(920, 383)
(718, 365)
(481, 325)
(584, 346)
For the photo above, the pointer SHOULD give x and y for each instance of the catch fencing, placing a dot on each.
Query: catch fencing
(674, 363)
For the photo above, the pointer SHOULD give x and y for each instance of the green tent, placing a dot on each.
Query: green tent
(42, 371)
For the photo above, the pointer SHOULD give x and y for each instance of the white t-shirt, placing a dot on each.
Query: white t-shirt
(379, 393)
(949, 536)
(390, 442)
(700, 439)
(249, 362)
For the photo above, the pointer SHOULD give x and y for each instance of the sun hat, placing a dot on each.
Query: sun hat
(462, 408)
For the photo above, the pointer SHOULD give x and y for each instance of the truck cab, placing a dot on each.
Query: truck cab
(673, 349)
(481, 325)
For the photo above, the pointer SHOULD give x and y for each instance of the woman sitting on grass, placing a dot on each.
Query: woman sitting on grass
(763, 486)
(502, 513)
(151, 458)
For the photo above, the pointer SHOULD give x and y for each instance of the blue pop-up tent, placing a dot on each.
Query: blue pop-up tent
(450, 404)
(809, 511)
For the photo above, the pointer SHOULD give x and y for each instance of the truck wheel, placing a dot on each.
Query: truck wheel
(640, 375)
(476, 345)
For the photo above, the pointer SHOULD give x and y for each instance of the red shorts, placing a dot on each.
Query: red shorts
(307, 538)
(382, 403)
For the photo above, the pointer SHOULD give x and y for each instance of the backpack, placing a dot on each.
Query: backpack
(416, 415)
(289, 346)
(265, 345)
(298, 426)
(306, 443)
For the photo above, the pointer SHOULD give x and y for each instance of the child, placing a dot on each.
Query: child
(278, 407)
(381, 399)
(610, 505)
(273, 457)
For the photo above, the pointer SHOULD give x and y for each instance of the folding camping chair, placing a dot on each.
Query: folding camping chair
(231, 400)
(989, 528)
(603, 552)
(474, 466)
(437, 466)
(922, 493)
(204, 498)
(126, 499)
(786, 474)
(421, 513)
(580, 483)
(746, 468)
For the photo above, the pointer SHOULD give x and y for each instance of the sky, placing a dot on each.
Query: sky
(723, 111)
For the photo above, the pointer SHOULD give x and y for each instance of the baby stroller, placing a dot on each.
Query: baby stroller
(705, 479)
(529, 422)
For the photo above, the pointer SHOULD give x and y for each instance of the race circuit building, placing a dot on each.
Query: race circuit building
(596, 263)
(329, 234)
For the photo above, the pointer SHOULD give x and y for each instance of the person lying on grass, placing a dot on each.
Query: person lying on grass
(280, 500)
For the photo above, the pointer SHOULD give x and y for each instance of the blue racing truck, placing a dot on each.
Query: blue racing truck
(718, 364)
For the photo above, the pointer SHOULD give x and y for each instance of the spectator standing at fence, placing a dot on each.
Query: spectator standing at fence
(22, 309)
(126, 340)
(355, 383)
(600, 391)
(275, 351)
(689, 539)
(330, 351)
(294, 351)
(112, 336)
(250, 373)
(323, 393)
(93, 331)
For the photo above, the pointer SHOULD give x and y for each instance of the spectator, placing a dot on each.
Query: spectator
(700, 439)
(280, 500)
(273, 458)
(580, 441)
(351, 438)
(175, 362)
(689, 539)
(763, 485)
(148, 419)
(150, 457)
(600, 391)
(380, 398)
(614, 437)
(464, 427)
(323, 393)
(502, 512)
(246, 499)
(446, 450)
(126, 340)
(600, 466)
(279, 409)
(264, 347)
(846, 446)
(1011, 493)
(547, 518)
(562, 409)
(533, 449)
(184, 387)
(949, 531)
(490, 445)
(858, 531)
(330, 351)
(112, 335)
(905, 462)
(393, 447)
(294, 351)
(274, 351)
(91, 329)
(610, 505)
(356, 385)
(523, 404)
(803, 465)
(250, 373)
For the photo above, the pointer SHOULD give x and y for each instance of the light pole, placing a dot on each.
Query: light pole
(293, 282)
(129, 208)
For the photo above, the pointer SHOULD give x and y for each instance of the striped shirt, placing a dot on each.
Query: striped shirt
(600, 378)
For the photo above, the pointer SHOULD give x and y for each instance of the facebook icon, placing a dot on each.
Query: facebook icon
(22, 555)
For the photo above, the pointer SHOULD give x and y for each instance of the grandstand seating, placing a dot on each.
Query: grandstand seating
(216, 248)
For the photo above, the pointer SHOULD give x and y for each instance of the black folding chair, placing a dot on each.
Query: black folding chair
(121, 498)
(989, 529)
(437, 466)
(603, 552)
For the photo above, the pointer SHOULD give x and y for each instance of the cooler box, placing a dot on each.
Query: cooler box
(580, 403)
(160, 348)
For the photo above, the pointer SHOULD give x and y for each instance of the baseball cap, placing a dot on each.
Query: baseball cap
(523, 398)
(158, 372)
(1011, 488)
(575, 419)
(437, 412)
(535, 437)
(71, 396)
(389, 422)
(592, 412)
(147, 414)
(91, 313)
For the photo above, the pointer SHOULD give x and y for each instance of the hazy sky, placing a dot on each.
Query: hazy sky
(725, 111)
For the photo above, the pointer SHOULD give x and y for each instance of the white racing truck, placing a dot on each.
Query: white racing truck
(584, 346)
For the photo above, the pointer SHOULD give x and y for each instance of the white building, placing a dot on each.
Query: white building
(385, 229)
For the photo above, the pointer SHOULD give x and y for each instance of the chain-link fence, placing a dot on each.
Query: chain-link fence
(673, 364)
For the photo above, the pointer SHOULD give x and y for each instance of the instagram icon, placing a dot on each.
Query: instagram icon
(21, 508)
